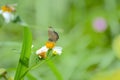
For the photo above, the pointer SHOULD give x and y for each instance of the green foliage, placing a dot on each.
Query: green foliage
(87, 54)
(23, 64)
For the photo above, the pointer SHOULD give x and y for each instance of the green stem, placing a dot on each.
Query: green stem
(32, 67)
(37, 65)
(54, 70)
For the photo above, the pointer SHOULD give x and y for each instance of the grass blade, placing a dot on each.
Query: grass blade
(25, 54)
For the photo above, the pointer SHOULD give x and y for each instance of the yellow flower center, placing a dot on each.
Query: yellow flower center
(50, 45)
(6, 9)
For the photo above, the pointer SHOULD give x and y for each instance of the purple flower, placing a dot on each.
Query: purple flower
(99, 24)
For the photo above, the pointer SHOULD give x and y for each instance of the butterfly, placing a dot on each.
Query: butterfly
(53, 35)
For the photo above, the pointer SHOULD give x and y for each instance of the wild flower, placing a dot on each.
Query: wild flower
(7, 11)
(99, 24)
(50, 45)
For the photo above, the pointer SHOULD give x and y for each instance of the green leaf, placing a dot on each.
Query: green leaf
(25, 54)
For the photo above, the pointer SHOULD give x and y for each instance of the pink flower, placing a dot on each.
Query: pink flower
(99, 24)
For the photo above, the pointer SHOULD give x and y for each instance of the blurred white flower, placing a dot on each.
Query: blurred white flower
(99, 24)
(7, 14)
(41, 50)
(57, 50)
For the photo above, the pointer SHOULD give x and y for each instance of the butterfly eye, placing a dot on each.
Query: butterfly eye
(53, 35)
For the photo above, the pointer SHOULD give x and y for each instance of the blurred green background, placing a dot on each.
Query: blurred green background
(89, 33)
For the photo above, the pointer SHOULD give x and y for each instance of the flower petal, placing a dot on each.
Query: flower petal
(57, 50)
(41, 50)
(8, 16)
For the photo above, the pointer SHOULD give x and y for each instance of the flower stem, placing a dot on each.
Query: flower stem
(36, 65)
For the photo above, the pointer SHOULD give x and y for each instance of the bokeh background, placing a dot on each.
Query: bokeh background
(89, 33)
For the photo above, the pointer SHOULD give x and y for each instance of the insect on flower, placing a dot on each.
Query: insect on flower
(50, 44)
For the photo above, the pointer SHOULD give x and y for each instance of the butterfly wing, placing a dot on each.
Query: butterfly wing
(53, 35)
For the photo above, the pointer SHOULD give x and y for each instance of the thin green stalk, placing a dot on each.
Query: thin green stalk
(25, 54)
(38, 64)
(54, 70)
(32, 67)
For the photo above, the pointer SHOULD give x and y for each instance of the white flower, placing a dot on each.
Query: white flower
(7, 13)
(57, 50)
(8, 17)
(41, 50)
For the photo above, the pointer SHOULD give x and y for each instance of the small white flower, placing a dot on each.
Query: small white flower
(57, 50)
(7, 13)
(41, 50)
(8, 16)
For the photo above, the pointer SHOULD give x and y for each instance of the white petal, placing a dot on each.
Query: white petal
(43, 49)
(8, 16)
(58, 50)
